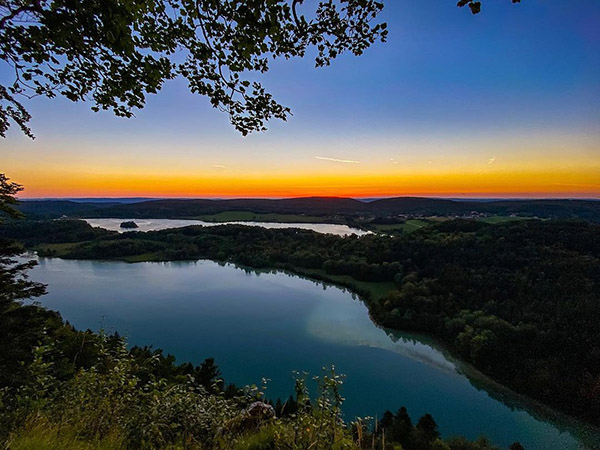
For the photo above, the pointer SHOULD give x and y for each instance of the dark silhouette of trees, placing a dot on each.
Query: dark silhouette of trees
(114, 53)
(15, 339)
(398, 428)
(427, 429)
(8, 190)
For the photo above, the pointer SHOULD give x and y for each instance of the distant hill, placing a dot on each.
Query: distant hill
(50, 209)
(111, 200)
(179, 209)
(316, 206)
(581, 209)
(418, 205)
(558, 209)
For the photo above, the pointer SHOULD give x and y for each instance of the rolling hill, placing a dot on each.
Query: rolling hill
(347, 208)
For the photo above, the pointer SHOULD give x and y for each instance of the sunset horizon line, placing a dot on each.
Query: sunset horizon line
(480, 196)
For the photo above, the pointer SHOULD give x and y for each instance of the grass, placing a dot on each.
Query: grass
(501, 219)
(56, 250)
(412, 225)
(248, 216)
(375, 290)
(407, 227)
(143, 257)
(43, 435)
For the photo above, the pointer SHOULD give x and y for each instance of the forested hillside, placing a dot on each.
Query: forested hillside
(331, 207)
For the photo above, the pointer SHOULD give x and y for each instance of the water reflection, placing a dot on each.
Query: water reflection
(339, 326)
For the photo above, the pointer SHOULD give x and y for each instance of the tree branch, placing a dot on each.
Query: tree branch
(37, 7)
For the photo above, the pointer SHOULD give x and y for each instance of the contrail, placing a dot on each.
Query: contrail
(346, 161)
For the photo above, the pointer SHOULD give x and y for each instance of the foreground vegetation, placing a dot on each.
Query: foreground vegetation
(140, 399)
(519, 300)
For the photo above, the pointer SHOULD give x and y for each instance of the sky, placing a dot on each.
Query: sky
(502, 104)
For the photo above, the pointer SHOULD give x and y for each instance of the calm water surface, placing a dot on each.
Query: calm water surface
(163, 224)
(270, 324)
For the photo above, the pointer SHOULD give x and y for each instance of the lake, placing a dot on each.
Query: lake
(163, 224)
(271, 323)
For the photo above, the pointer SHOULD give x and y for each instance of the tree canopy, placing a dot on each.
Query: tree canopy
(8, 190)
(114, 53)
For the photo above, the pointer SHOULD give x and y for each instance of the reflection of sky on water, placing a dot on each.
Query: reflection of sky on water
(352, 326)
(163, 224)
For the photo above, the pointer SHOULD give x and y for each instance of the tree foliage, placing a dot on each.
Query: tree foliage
(116, 52)
(15, 287)
(8, 190)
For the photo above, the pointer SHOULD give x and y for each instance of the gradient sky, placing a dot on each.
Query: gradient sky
(502, 104)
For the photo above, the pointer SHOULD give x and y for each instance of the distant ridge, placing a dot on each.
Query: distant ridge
(316, 206)
(112, 200)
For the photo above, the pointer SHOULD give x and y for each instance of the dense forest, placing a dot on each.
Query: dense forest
(347, 210)
(517, 300)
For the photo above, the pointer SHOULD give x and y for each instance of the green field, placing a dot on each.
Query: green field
(407, 227)
(501, 219)
(57, 250)
(412, 225)
(144, 257)
(376, 290)
(248, 216)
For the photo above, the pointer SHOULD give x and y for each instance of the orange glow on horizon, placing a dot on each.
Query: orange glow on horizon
(520, 164)
(584, 183)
